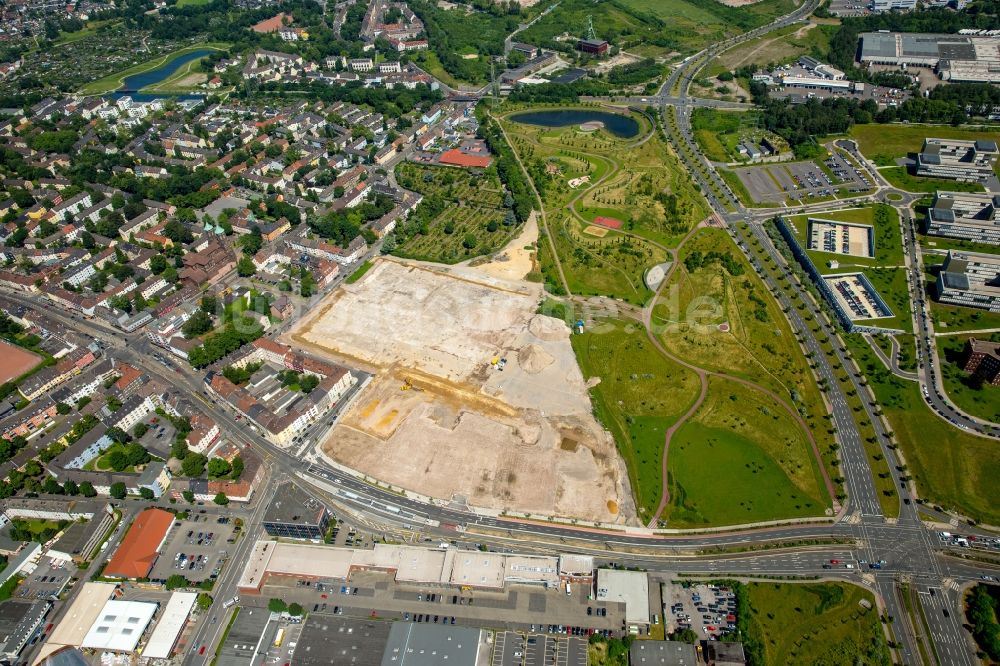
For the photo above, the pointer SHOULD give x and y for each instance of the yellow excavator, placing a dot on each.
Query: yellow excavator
(407, 385)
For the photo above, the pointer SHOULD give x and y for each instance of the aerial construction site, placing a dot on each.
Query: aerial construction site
(475, 395)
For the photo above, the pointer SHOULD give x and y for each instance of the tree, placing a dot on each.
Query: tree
(252, 242)
(117, 460)
(245, 267)
(218, 467)
(118, 490)
(52, 487)
(237, 470)
(204, 601)
(117, 434)
(176, 581)
(146, 494)
(87, 489)
(136, 454)
(194, 464)
(139, 430)
(63, 409)
(157, 264)
(221, 499)
(295, 609)
(277, 606)
(198, 323)
(308, 383)
(188, 496)
(469, 241)
(70, 488)
(209, 304)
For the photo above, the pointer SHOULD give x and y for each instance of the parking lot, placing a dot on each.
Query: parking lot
(196, 548)
(47, 581)
(708, 610)
(849, 8)
(796, 181)
(514, 649)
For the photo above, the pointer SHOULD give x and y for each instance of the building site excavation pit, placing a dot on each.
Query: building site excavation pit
(475, 395)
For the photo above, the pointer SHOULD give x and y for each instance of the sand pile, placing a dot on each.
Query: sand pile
(548, 328)
(533, 359)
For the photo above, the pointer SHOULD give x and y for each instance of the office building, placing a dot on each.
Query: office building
(963, 58)
(982, 359)
(295, 514)
(957, 160)
(971, 216)
(970, 279)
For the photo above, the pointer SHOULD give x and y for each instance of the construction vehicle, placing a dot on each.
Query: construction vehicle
(407, 385)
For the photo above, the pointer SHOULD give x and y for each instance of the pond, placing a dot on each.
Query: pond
(132, 84)
(616, 123)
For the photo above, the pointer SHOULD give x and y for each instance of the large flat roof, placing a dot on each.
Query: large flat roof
(120, 625)
(628, 587)
(81, 614)
(171, 623)
(329, 640)
(415, 564)
(137, 553)
(431, 645)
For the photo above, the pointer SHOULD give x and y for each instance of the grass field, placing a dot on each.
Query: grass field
(759, 345)
(470, 205)
(640, 395)
(192, 3)
(816, 623)
(952, 468)
(971, 396)
(777, 47)
(359, 272)
(89, 29)
(901, 178)
(884, 143)
(114, 81)
(761, 466)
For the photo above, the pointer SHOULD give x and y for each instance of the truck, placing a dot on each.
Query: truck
(279, 637)
(232, 602)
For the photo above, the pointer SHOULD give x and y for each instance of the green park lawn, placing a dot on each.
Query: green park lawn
(815, 623)
(114, 81)
(640, 395)
(732, 465)
(952, 468)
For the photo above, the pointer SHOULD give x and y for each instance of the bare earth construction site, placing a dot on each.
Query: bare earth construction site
(442, 418)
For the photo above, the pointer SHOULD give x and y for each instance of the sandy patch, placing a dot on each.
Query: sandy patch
(594, 230)
(517, 259)
(15, 361)
(441, 419)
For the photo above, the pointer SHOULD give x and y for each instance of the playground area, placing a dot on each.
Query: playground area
(475, 395)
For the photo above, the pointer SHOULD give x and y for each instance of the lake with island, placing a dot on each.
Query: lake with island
(620, 125)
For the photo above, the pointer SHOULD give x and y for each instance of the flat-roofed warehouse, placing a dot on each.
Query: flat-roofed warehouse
(409, 564)
(972, 216)
(119, 626)
(967, 161)
(970, 279)
(78, 618)
(628, 587)
(967, 58)
(413, 644)
(168, 629)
